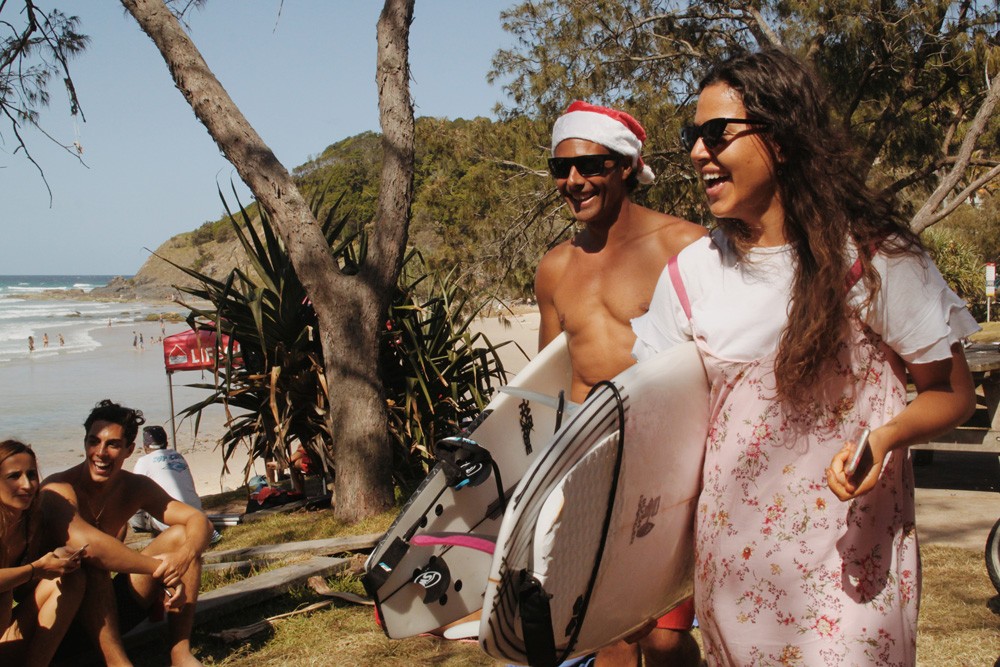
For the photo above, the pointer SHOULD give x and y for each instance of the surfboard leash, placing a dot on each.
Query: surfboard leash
(533, 600)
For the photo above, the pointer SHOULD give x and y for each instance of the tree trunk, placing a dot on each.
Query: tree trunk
(380, 273)
(349, 309)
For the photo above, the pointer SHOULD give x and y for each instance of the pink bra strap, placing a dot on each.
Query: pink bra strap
(675, 278)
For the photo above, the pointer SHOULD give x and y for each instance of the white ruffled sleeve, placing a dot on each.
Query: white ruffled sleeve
(663, 325)
(916, 313)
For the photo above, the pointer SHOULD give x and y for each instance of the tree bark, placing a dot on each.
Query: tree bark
(349, 309)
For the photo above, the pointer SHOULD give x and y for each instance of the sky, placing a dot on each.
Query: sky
(301, 71)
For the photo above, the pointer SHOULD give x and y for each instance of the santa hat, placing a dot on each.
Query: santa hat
(615, 130)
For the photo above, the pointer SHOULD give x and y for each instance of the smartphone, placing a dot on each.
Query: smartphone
(861, 460)
(76, 554)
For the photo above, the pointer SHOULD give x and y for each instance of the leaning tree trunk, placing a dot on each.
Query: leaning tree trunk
(349, 309)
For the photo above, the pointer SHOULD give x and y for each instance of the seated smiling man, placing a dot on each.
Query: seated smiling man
(91, 503)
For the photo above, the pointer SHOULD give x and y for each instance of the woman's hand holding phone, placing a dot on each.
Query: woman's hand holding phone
(849, 472)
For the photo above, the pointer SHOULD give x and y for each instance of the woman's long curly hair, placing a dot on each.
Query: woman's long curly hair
(9, 448)
(827, 205)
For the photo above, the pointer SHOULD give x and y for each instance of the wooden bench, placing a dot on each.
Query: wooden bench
(982, 432)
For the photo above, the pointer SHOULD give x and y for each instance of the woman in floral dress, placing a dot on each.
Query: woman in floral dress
(810, 302)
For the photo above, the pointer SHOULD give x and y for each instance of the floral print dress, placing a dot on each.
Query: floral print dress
(786, 574)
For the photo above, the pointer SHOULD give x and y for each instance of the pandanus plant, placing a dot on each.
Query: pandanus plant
(437, 374)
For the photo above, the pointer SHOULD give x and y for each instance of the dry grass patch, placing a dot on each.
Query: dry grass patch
(989, 334)
(957, 627)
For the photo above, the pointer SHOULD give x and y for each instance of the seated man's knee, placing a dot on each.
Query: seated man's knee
(74, 584)
(169, 540)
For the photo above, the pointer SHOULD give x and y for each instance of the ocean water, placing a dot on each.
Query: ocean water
(24, 314)
(45, 394)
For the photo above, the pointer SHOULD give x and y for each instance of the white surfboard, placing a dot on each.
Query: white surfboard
(429, 570)
(598, 537)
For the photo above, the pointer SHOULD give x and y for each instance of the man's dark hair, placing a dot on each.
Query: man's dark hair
(154, 436)
(108, 411)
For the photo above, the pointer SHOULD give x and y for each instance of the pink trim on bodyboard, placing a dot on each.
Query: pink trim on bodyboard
(467, 541)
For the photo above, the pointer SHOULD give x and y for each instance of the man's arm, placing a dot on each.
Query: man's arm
(63, 524)
(546, 279)
(197, 529)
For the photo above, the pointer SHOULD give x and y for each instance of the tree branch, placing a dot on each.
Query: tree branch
(927, 214)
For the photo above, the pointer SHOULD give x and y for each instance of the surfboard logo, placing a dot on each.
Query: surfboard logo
(471, 469)
(643, 524)
(428, 579)
(527, 426)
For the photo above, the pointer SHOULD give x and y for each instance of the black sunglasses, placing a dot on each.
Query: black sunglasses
(586, 165)
(711, 131)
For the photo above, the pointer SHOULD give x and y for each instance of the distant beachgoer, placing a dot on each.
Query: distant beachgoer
(163, 326)
(109, 321)
(142, 344)
(62, 341)
(31, 343)
(45, 340)
(135, 340)
(91, 503)
(48, 590)
(301, 463)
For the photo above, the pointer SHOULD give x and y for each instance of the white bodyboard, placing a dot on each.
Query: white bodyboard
(420, 588)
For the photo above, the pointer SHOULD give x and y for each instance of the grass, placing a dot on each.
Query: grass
(989, 334)
(957, 626)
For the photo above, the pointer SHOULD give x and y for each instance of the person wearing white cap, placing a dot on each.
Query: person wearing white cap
(594, 284)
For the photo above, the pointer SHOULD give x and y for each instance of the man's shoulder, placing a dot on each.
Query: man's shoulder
(559, 253)
(555, 261)
(672, 234)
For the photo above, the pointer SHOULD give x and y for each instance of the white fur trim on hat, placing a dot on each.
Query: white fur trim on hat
(615, 130)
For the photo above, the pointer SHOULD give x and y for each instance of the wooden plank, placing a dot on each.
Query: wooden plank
(964, 440)
(242, 594)
(241, 567)
(224, 520)
(324, 547)
(250, 517)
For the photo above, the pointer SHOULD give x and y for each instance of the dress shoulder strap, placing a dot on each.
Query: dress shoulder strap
(678, 283)
(854, 273)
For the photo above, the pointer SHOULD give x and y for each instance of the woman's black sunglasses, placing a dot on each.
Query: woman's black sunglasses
(586, 165)
(711, 131)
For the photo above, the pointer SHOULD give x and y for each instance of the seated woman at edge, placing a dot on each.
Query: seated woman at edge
(47, 590)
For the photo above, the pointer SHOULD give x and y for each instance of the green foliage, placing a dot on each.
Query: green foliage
(484, 207)
(36, 45)
(274, 389)
(436, 374)
(979, 227)
(961, 267)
